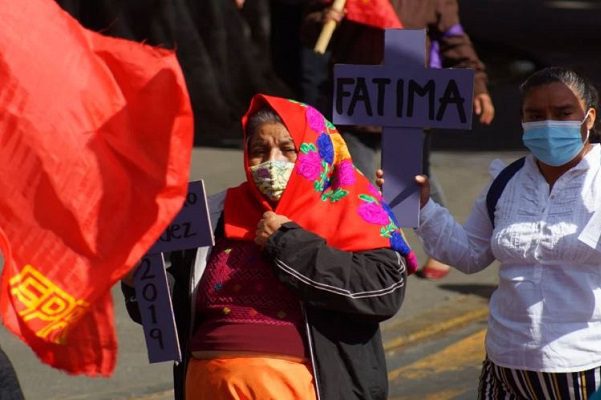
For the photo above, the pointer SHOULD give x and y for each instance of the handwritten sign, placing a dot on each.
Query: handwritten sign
(385, 96)
(190, 229)
(403, 96)
(156, 310)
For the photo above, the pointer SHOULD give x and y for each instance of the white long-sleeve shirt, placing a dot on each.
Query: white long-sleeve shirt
(545, 314)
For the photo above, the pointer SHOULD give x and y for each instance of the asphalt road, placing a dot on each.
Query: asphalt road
(434, 344)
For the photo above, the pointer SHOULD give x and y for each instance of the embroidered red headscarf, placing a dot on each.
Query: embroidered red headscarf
(326, 194)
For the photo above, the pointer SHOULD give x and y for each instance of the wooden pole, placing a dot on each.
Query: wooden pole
(328, 29)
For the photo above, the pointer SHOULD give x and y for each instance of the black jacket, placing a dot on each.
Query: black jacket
(344, 296)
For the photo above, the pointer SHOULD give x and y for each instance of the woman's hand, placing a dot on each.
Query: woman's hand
(267, 226)
(331, 14)
(484, 108)
(128, 278)
(421, 180)
(380, 178)
(424, 194)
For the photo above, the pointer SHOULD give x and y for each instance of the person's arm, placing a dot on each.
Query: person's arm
(369, 284)
(314, 17)
(131, 302)
(466, 247)
(456, 50)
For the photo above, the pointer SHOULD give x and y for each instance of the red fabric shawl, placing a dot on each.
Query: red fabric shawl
(326, 194)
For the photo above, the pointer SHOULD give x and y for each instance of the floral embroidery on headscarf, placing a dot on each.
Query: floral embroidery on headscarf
(309, 162)
(327, 163)
(316, 120)
(312, 166)
(341, 152)
(326, 150)
(318, 161)
(298, 102)
(375, 211)
(345, 175)
(328, 188)
(371, 211)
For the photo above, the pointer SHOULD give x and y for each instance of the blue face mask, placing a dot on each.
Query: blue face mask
(554, 142)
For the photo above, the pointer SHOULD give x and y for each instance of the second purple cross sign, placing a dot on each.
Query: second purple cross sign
(404, 97)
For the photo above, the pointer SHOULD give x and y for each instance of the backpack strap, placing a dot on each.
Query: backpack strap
(498, 185)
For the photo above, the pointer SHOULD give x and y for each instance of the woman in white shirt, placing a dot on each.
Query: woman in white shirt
(544, 334)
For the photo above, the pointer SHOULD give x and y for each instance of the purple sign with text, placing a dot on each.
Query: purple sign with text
(409, 97)
(156, 310)
(403, 97)
(190, 229)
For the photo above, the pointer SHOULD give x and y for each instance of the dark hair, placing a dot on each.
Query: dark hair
(264, 115)
(581, 85)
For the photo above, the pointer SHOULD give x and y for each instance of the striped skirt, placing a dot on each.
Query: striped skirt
(513, 384)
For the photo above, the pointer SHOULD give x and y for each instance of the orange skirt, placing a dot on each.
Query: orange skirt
(249, 378)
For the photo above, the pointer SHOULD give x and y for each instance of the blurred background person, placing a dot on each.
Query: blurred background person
(353, 43)
(222, 46)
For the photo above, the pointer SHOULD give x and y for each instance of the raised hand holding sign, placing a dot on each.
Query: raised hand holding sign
(403, 97)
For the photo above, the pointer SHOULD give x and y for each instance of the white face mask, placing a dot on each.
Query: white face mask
(271, 177)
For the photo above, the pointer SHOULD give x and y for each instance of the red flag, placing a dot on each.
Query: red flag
(95, 143)
(376, 13)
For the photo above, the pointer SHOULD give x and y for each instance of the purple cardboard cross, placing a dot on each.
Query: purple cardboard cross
(404, 97)
(156, 310)
(191, 228)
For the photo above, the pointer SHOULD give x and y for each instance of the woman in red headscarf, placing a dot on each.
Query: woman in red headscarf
(308, 260)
